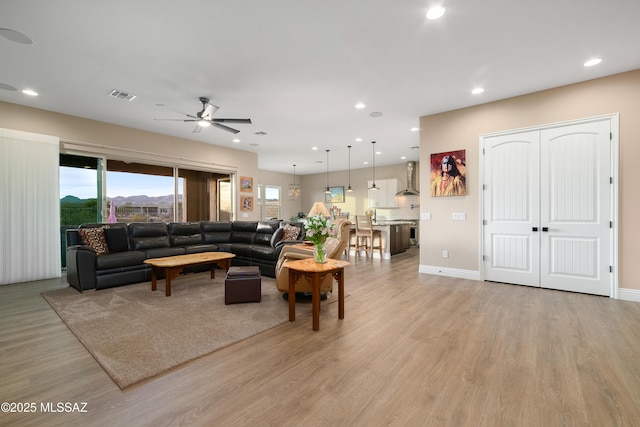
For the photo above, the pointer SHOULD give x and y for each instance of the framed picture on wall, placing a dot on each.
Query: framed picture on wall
(246, 184)
(336, 195)
(246, 203)
(448, 174)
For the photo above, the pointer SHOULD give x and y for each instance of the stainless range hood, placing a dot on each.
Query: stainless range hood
(410, 190)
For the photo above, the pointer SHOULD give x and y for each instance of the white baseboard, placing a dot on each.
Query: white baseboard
(449, 272)
(629, 294)
(623, 293)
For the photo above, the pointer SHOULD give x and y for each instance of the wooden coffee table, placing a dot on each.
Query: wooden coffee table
(173, 265)
(315, 272)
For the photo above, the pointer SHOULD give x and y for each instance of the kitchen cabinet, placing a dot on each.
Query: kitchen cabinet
(385, 197)
(399, 238)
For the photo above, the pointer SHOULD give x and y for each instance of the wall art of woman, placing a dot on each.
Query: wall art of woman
(448, 174)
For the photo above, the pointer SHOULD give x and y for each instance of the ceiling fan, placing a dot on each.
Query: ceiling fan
(204, 117)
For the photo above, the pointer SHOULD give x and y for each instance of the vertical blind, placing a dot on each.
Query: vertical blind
(29, 207)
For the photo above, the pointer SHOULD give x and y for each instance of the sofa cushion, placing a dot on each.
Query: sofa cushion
(119, 260)
(216, 232)
(163, 252)
(195, 239)
(183, 234)
(243, 231)
(143, 243)
(241, 249)
(196, 249)
(264, 232)
(94, 238)
(263, 252)
(117, 239)
(147, 235)
(277, 236)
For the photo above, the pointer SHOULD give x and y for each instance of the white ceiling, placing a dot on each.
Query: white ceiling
(297, 67)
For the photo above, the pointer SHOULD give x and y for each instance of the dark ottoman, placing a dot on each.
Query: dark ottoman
(242, 284)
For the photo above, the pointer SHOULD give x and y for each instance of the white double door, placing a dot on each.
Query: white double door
(547, 207)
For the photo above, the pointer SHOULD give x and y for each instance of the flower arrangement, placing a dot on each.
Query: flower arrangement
(318, 229)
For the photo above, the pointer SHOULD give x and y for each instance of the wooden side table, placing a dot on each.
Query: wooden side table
(315, 272)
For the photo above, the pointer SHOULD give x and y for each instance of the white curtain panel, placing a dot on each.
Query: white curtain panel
(29, 207)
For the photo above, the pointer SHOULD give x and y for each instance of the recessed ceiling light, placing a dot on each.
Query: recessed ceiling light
(314, 148)
(403, 158)
(360, 105)
(365, 163)
(30, 92)
(592, 62)
(414, 129)
(435, 12)
(477, 91)
(358, 139)
(236, 140)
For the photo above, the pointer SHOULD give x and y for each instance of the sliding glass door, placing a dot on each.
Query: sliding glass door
(138, 192)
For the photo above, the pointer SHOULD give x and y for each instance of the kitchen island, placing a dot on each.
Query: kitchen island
(395, 236)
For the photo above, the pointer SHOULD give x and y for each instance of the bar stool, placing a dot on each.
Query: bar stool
(365, 231)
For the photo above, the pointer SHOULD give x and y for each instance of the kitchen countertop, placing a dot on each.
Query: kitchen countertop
(396, 222)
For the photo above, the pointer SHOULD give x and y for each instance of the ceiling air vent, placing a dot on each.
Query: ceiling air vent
(261, 133)
(122, 95)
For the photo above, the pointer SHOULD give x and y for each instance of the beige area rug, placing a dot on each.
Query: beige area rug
(136, 334)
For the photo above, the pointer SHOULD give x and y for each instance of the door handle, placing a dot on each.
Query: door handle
(534, 228)
(545, 229)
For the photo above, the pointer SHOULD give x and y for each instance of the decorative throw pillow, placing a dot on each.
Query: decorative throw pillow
(290, 232)
(94, 238)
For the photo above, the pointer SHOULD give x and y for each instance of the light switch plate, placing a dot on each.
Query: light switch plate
(425, 215)
(459, 216)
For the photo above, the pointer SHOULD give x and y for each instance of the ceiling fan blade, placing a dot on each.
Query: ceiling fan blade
(243, 121)
(174, 120)
(197, 129)
(177, 111)
(227, 128)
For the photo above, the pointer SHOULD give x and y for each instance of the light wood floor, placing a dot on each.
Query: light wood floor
(413, 350)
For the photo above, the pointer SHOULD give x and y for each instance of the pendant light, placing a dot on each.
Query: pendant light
(349, 189)
(294, 189)
(373, 148)
(327, 190)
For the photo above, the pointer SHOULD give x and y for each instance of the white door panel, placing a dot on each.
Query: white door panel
(577, 208)
(547, 207)
(512, 190)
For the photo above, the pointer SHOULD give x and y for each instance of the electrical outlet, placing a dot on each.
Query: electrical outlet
(445, 254)
(459, 216)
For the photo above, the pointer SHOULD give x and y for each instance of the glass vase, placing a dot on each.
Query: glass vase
(319, 253)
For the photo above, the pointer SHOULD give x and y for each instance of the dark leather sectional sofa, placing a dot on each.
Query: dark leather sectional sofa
(253, 242)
